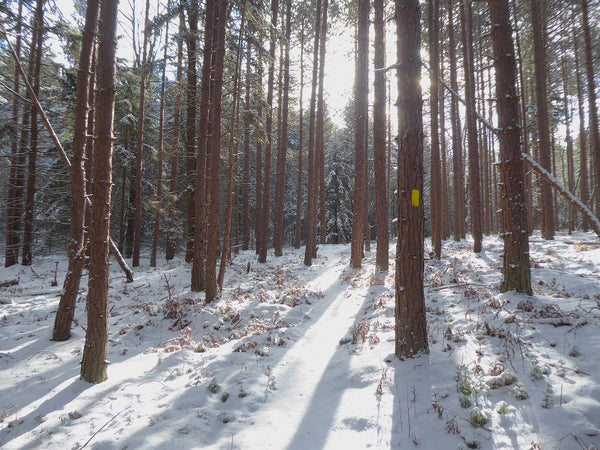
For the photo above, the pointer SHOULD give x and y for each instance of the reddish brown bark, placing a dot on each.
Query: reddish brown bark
(95, 352)
(361, 93)
(515, 269)
(66, 305)
(411, 322)
(379, 142)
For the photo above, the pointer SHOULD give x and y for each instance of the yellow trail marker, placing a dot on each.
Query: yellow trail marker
(415, 197)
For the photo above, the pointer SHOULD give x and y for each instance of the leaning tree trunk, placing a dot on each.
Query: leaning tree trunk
(411, 322)
(68, 297)
(515, 270)
(95, 351)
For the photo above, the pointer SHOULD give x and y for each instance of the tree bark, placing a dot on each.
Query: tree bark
(538, 18)
(95, 352)
(159, 168)
(593, 108)
(474, 175)
(515, 270)
(320, 143)
(436, 175)
(11, 248)
(266, 202)
(68, 297)
(299, 189)
(137, 230)
(283, 138)
(172, 203)
(312, 189)
(33, 139)
(379, 142)
(361, 93)
(410, 318)
(583, 159)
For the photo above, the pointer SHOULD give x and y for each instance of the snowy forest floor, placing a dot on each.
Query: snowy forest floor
(295, 357)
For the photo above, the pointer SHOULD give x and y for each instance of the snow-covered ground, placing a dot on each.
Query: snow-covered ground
(293, 357)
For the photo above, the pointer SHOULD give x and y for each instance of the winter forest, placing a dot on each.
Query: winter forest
(310, 224)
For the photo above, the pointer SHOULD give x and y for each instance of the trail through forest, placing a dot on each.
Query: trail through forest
(296, 357)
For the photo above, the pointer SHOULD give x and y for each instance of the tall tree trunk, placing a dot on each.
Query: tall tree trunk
(593, 108)
(457, 158)
(137, 231)
(33, 139)
(68, 296)
(474, 175)
(259, 137)
(443, 146)
(379, 142)
(95, 352)
(410, 318)
(172, 203)
(436, 175)
(190, 144)
(320, 147)
(11, 248)
(159, 168)
(266, 203)
(515, 270)
(298, 229)
(231, 160)
(570, 161)
(246, 169)
(283, 138)
(361, 93)
(538, 19)
(214, 150)
(201, 199)
(312, 188)
(583, 159)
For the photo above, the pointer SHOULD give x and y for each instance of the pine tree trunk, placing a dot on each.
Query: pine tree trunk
(70, 290)
(214, 150)
(361, 93)
(172, 203)
(137, 231)
(201, 200)
(312, 188)
(474, 175)
(159, 168)
(266, 202)
(320, 147)
(299, 189)
(457, 158)
(379, 142)
(410, 318)
(538, 18)
(11, 251)
(190, 144)
(593, 108)
(33, 140)
(515, 270)
(283, 138)
(246, 169)
(231, 160)
(436, 175)
(95, 352)
(583, 159)
(572, 217)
